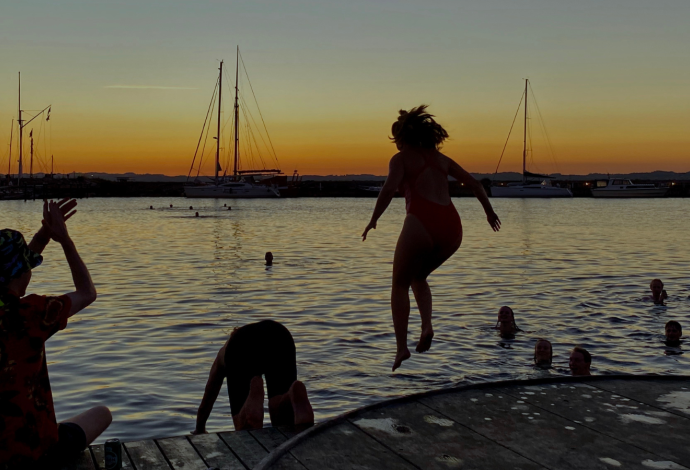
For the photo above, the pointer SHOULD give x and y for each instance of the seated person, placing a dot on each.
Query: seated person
(658, 292)
(263, 348)
(506, 323)
(673, 332)
(30, 436)
(580, 361)
(543, 353)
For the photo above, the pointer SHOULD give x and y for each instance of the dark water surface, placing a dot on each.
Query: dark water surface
(172, 286)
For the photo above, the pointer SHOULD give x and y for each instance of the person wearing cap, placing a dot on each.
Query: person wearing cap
(30, 437)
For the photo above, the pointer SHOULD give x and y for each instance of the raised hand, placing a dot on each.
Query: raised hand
(371, 226)
(494, 221)
(54, 219)
(66, 205)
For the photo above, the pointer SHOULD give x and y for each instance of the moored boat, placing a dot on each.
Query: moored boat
(624, 188)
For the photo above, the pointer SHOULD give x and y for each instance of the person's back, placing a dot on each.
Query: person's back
(426, 174)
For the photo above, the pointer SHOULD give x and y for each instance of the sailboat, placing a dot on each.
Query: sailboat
(532, 184)
(242, 183)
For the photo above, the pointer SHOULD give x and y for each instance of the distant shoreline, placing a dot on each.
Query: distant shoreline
(655, 176)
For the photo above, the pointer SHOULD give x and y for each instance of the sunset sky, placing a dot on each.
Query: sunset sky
(130, 81)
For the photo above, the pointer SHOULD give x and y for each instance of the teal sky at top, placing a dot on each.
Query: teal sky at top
(314, 60)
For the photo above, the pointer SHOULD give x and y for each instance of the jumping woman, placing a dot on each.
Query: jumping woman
(432, 231)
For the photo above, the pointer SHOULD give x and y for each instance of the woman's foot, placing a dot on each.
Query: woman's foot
(400, 357)
(424, 343)
(301, 407)
(252, 413)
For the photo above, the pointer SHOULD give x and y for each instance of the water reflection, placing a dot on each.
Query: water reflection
(172, 287)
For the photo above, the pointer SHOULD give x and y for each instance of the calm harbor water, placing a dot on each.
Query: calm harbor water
(172, 286)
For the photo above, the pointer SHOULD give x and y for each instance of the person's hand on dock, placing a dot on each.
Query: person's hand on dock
(494, 221)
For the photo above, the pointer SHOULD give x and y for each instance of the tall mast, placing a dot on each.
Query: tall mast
(237, 113)
(220, 102)
(9, 162)
(31, 165)
(19, 120)
(52, 164)
(524, 140)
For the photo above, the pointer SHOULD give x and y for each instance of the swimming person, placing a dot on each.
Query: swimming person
(543, 353)
(269, 258)
(673, 332)
(432, 230)
(580, 361)
(506, 322)
(30, 436)
(658, 292)
(263, 348)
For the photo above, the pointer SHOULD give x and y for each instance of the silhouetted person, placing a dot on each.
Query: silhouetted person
(673, 332)
(196, 214)
(658, 292)
(269, 258)
(263, 348)
(30, 437)
(151, 207)
(580, 361)
(543, 353)
(506, 322)
(432, 231)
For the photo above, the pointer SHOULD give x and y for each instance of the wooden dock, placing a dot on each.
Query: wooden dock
(627, 422)
(605, 422)
(239, 450)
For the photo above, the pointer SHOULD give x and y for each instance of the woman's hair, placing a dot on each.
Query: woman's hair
(585, 354)
(674, 323)
(550, 349)
(417, 128)
(512, 317)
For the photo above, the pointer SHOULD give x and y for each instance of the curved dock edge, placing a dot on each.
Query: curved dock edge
(284, 448)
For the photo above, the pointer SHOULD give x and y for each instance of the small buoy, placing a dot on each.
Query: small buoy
(171, 206)
(196, 214)
(225, 205)
(190, 208)
(229, 208)
(150, 207)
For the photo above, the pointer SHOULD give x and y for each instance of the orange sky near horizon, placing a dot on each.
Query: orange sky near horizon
(610, 78)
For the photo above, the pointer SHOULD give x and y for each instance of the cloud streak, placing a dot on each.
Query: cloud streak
(149, 87)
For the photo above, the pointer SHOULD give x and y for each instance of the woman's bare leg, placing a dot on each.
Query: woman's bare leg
(93, 422)
(251, 416)
(414, 245)
(422, 294)
(292, 407)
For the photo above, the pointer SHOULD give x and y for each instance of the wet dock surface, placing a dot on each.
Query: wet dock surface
(591, 423)
(625, 422)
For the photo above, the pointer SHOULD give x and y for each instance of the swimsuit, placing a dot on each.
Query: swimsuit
(263, 348)
(442, 222)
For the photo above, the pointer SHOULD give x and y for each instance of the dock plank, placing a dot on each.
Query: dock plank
(243, 444)
(662, 394)
(659, 432)
(432, 441)
(270, 438)
(181, 454)
(215, 452)
(344, 447)
(525, 428)
(83, 462)
(145, 455)
(99, 458)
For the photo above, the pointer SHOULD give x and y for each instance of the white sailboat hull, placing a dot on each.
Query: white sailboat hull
(530, 190)
(230, 191)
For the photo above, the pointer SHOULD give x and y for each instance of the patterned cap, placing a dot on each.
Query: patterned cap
(15, 256)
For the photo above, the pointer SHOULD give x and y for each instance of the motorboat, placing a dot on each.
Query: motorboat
(613, 187)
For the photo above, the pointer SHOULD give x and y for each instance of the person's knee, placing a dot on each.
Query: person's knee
(420, 285)
(102, 414)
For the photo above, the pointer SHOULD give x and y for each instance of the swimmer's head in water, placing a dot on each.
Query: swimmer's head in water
(543, 352)
(657, 286)
(505, 314)
(673, 331)
(417, 128)
(580, 361)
